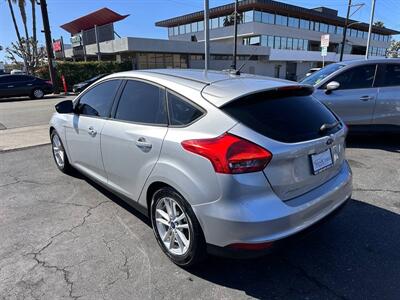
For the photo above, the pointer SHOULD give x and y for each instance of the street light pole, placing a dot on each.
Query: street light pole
(345, 30)
(49, 48)
(206, 36)
(371, 21)
(235, 36)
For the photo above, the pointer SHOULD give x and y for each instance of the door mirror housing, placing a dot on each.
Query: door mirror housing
(65, 107)
(331, 86)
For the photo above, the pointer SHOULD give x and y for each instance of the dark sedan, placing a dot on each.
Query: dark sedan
(24, 85)
(79, 87)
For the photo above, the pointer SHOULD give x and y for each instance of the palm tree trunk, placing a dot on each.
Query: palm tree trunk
(21, 4)
(34, 35)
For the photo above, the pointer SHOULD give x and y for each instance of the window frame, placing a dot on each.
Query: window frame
(116, 95)
(350, 69)
(382, 68)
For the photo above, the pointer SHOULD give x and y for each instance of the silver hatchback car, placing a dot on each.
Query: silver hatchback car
(221, 163)
(364, 93)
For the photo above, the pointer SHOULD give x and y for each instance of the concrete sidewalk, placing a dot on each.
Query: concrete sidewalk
(24, 137)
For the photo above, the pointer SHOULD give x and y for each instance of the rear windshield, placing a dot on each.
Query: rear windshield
(288, 118)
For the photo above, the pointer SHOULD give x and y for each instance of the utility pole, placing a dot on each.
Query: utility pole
(49, 48)
(345, 30)
(371, 21)
(206, 36)
(235, 36)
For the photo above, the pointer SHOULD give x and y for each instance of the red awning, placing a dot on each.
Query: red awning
(99, 17)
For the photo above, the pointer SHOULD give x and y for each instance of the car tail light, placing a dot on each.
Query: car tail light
(230, 154)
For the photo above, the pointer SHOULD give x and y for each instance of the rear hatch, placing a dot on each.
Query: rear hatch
(305, 138)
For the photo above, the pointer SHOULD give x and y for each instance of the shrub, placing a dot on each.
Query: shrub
(75, 72)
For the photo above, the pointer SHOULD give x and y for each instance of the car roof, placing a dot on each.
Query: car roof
(218, 87)
(369, 61)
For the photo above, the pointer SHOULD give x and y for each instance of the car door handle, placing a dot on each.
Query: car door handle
(143, 145)
(92, 131)
(366, 98)
(10, 86)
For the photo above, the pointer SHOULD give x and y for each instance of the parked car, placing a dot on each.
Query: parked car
(312, 70)
(220, 163)
(24, 85)
(79, 87)
(364, 93)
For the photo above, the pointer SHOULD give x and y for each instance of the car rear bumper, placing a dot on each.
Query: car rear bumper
(266, 218)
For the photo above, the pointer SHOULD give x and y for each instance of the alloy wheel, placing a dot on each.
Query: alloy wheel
(172, 226)
(58, 151)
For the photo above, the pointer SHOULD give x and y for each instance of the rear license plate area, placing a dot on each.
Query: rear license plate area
(321, 161)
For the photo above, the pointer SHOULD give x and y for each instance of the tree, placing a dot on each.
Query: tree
(21, 5)
(394, 49)
(379, 24)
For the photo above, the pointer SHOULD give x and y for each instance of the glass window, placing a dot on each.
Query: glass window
(320, 75)
(221, 21)
(248, 16)
(316, 26)
(182, 29)
(194, 27)
(257, 16)
(323, 27)
(98, 100)
(283, 42)
(332, 29)
(176, 30)
(339, 30)
(170, 31)
(295, 44)
(200, 25)
(142, 103)
(282, 116)
(281, 20)
(356, 78)
(304, 24)
(289, 43)
(268, 18)
(214, 23)
(305, 46)
(293, 22)
(188, 28)
(277, 43)
(312, 25)
(181, 112)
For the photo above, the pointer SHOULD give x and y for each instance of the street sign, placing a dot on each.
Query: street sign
(76, 40)
(324, 51)
(325, 40)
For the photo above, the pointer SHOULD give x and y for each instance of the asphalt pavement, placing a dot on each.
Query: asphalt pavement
(65, 237)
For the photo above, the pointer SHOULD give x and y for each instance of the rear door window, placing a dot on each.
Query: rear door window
(142, 102)
(388, 75)
(289, 117)
(181, 112)
(360, 77)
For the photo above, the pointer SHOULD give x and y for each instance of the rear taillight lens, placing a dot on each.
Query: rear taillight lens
(230, 154)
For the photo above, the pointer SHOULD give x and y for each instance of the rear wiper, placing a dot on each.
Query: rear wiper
(328, 126)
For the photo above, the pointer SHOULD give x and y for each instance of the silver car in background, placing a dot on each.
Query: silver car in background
(364, 93)
(221, 163)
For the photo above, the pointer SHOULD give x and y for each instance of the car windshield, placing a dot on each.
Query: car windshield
(318, 76)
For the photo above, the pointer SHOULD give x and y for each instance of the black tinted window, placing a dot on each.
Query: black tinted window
(180, 111)
(142, 103)
(98, 100)
(356, 78)
(285, 118)
(388, 75)
(5, 79)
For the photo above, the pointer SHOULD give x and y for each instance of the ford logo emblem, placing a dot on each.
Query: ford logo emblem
(329, 141)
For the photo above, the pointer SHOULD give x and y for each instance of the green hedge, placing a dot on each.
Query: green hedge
(75, 72)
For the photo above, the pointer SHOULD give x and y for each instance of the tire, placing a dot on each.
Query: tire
(195, 250)
(60, 158)
(37, 93)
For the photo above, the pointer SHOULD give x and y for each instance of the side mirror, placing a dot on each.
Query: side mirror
(331, 86)
(65, 107)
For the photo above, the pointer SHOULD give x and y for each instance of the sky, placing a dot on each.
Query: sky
(144, 13)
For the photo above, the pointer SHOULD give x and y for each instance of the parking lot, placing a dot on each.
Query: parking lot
(66, 237)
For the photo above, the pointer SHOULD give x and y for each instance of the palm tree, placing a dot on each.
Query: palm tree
(14, 19)
(21, 4)
(34, 35)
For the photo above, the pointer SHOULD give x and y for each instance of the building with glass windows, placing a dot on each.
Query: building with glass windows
(291, 34)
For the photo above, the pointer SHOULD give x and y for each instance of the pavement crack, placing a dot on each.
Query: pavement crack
(125, 267)
(313, 279)
(376, 190)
